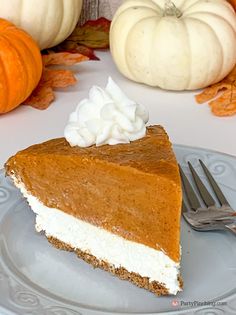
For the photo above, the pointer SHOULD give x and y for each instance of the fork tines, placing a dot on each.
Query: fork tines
(208, 200)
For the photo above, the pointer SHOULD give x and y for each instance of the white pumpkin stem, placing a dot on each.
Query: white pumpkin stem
(171, 10)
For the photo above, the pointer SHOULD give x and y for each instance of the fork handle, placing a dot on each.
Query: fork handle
(231, 228)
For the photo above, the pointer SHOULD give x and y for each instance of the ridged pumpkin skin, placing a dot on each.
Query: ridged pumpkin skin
(20, 66)
(49, 22)
(185, 52)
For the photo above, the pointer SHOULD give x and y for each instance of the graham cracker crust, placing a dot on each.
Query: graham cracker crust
(142, 282)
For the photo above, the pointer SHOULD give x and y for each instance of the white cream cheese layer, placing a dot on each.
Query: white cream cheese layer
(106, 246)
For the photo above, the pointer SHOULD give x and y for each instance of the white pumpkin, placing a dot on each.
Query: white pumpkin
(178, 45)
(49, 22)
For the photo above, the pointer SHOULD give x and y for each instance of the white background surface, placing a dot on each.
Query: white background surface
(185, 121)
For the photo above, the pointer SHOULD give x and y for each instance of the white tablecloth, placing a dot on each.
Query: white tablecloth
(185, 121)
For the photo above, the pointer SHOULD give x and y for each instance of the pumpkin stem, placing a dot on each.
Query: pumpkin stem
(171, 10)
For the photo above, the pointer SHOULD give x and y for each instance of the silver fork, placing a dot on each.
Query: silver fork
(208, 226)
(209, 217)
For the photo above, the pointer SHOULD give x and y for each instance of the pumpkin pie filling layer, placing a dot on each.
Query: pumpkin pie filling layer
(129, 192)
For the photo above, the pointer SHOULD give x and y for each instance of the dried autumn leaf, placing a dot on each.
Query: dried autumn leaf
(101, 24)
(73, 47)
(63, 58)
(41, 98)
(43, 95)
(225, 105)
(221, 96)
(55, 78)
(93, 34)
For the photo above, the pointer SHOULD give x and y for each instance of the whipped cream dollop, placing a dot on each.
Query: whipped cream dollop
(107, 116)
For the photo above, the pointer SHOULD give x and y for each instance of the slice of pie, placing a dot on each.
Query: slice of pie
(118, 207)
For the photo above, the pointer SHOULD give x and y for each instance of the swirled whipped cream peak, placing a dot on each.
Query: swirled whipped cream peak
(107, 116)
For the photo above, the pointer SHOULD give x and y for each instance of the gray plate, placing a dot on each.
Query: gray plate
(37, 279)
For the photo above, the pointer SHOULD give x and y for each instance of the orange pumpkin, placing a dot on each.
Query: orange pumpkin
(233, 2)
(20, 66)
